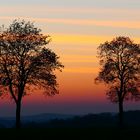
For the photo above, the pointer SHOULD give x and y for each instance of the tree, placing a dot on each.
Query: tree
(120, 70)
(26, 62)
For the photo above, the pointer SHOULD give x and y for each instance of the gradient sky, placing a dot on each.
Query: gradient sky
(77, 27)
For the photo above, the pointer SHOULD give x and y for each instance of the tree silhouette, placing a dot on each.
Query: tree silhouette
(120, 70)
(26, 62)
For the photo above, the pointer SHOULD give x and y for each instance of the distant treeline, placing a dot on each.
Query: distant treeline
(90, 121)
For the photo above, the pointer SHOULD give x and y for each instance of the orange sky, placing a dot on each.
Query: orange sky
(77, 28)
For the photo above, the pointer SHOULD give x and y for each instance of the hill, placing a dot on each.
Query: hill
(46, 120)
(8, 122)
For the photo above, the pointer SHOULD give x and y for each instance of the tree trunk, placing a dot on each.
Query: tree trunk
(18, 110)
(121, 114)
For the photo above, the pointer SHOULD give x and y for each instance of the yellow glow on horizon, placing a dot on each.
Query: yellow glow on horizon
(79, 39)
(80, 58)
(81, 70)
(84, 39)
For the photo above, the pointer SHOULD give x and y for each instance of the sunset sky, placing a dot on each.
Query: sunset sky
(76, 27)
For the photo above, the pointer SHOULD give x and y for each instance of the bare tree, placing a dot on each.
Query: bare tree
(120, 70)
(26, 62)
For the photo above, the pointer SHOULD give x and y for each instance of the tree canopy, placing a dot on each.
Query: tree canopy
(120, 68)
(25, 60)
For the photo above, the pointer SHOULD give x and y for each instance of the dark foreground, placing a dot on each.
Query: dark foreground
(102, 126)
(72, 133)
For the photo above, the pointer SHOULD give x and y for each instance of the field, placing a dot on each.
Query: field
(70, 133)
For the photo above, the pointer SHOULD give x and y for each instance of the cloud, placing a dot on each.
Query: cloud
(90, 22)
(84, 22)
(55, 9)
